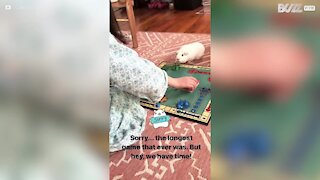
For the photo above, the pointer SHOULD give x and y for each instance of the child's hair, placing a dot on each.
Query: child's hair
(114, 27)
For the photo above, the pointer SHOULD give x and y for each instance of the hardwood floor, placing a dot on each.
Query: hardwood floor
(167, 20)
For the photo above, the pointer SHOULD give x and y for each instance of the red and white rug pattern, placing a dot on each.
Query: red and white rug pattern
(158, 47)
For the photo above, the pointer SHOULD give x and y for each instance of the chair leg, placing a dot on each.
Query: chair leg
(132, 24)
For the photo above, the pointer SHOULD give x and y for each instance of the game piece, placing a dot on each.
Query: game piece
(175, 67)
(157, 105)
(160, 119)
(182, 104)
(179, 105)
(209, 108)
(193, 110)
(186, 104)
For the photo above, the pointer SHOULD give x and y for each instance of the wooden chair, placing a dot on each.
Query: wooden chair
(128, 4)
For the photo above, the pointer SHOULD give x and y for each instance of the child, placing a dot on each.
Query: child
(132, 78)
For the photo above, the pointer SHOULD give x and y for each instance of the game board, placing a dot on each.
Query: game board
(199, 109)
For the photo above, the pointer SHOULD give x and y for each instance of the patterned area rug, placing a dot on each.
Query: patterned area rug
(158, 47)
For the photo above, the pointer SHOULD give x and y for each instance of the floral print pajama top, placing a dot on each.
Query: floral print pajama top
(131, 78)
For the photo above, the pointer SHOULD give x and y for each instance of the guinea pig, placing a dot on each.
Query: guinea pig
(190, 52)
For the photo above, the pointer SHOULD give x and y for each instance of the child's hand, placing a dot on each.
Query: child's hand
(186, 83)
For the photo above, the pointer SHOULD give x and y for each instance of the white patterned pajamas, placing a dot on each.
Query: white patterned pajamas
(131, 78)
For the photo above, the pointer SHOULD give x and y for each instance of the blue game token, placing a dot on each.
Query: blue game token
(157, 105)
(193, 110)
(186, 103)
(180, 104)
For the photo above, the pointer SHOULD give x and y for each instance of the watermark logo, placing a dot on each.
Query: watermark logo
(290, 8)
(309, 8)
(295, 8)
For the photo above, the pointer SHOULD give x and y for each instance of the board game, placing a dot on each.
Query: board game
(198, 102)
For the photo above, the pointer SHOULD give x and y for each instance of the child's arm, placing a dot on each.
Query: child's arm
(135, 75)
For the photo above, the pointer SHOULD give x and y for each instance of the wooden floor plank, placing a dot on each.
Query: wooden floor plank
(166, 20)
